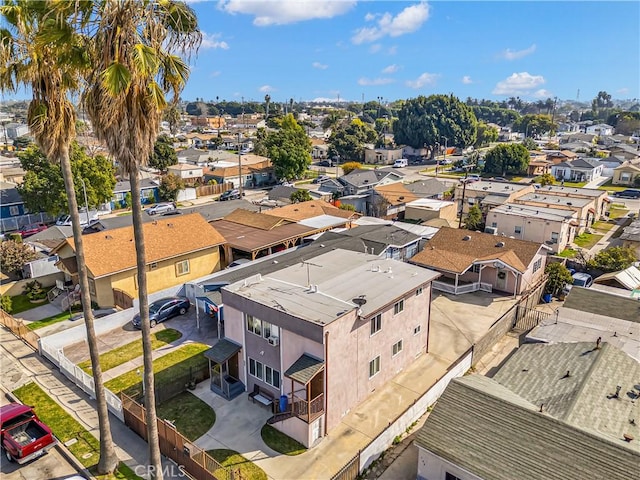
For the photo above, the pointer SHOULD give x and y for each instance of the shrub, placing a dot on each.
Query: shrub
(34, 290)
(6, 304)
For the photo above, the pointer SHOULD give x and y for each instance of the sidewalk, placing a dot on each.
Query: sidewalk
(21, 365)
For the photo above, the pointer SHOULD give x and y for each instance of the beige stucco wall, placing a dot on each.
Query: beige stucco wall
(617, 176)
(352, 347)
(533, 229)
(478, 195)
(382, 156)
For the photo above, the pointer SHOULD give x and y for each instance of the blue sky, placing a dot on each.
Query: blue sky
(344, 49)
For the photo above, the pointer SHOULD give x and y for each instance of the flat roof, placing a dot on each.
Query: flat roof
(504, 188)
(429, 203)
(558, 189)
(323, 221)
(555, 214)
(555, 199)
(338, 277)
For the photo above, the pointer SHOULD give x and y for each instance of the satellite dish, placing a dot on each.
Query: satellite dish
(360, 301)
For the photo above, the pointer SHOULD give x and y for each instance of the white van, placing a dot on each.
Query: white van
(401, 162)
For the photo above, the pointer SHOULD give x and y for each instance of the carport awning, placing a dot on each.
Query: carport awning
(304, 369)
(222, 351)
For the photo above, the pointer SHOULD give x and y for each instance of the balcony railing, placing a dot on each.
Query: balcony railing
(464, 288)
(308, 410)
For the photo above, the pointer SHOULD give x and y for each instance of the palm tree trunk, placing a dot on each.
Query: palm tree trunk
(108, 461)
(155, 459)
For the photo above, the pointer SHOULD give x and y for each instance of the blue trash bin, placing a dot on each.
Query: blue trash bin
(283, 403)
(546, 298)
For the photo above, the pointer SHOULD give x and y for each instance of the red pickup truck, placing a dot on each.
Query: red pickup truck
(24, 437)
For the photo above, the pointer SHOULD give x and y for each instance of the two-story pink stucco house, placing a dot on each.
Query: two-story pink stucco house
(324, 333)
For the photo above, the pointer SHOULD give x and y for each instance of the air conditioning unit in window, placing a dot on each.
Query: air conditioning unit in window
(273, 341)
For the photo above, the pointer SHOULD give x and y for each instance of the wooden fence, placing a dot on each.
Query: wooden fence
(19, 328)
(206, 190)
(197, 462)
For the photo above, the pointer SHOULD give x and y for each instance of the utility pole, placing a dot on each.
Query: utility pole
(239, 166)
(464, 188)
(86, 204)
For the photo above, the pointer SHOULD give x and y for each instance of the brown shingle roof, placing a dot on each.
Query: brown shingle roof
(258, 220)
(396, 193)
(310, 209)
(114, 250)
(447, 250)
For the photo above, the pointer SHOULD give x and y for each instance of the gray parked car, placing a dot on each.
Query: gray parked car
(161, 208)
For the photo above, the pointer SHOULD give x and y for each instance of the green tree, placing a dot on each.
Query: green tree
(41, 49)
(558, 276)
(267, 102)
(6, 303)
(289, 149)
(533, 125)
(170, 186)
(22, 142)
(348, 142)
(486, 134)
(349, 167)
(506, 158)
(43, 186)
(348, 207)
(428, 120)
(172, 116)
(300, 196)
(128, 201)
(530, 143)
(473, 220)
(613, 259)
(14, 255)
(137, 59)
(163, 155)
(546, 179)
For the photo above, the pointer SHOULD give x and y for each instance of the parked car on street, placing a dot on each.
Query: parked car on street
(325, 163)
(24, 436)
(628, 193)
(471, 178)
(31, 229)
(161, 208)
(233, 194)
(164, 309)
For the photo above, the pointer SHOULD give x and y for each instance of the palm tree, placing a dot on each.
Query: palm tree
(135, 63)
(267, 100)
(40, 51)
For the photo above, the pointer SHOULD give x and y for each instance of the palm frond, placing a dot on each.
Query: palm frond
(116, 78)
(146, 59)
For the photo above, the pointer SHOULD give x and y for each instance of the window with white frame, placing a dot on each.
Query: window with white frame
(518, 230)
(261, 328)
(254, 325)
(625, 176)
(398, 307)
(397, 347)
(376, 324)
(13, 211)
(494, 224)
(416, 329)
(374, 366)
(476, 268)
(182, 268)
(263, 372)
(554, 237)
(269, 330)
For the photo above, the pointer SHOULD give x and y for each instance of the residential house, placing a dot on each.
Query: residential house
(584, 209)
(488, 194)
(631, 237)
(363, 180)
(471, 261)
(15, 130)
(539, 164)
(429, 188)
(629, 152)
(382, 156)
(600, 129)
(11, 203)
(390, 240)
(190, 174)
(578, 170)
(315, 213)
(627, 279)
(542, 416)
(585, 138)
(191, 155)
(555, 227)
(559, 156)
(319, 149)
(216, 122)
(173, 257)
(389, 201)
(148, 193)
(425, 210)
(411, 152)
(323, 334)
(11, 172)
(609, 164)
(626, 174)
(600, 198)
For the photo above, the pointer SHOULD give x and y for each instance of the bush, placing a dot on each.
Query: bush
(6, 304)
(558, 277)
(34, 291)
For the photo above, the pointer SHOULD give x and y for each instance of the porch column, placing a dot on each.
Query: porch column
(308, 389)
(456, 282)
(515, 284)
(480, 275)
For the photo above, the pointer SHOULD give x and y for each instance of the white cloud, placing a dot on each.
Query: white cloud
(266, 89)
(391, 69)
(509, 54)
(283, 12)
(467, 80)
(319, 66)
(622, 91)
(407, 21)
(212, 41)
(392, 50)
(422, 80)
(518, 83)
(542, 93)
(375, 48)
(369, 17)
(375, 81)
(215, 74)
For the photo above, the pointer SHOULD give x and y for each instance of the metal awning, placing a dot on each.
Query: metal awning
(222, 351)
(304, 369)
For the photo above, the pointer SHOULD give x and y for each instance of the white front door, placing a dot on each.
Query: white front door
(315, 430)
(501, 280)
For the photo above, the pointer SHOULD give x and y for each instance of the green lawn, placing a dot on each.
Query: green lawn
(587, 240)
(235, 461)
(617, 212)
(123, 354)
(166, 368)
(86, 448)
(60, 317)
(21, 303)
(603, 226)
(191, 416)
(280, 442)
(567, 253)
(572, 184)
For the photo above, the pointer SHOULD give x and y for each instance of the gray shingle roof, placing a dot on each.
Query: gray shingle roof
(8, 194)
(222, 351)
(304, 369)
(595, 301)
(359, 178)
(489, 431)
